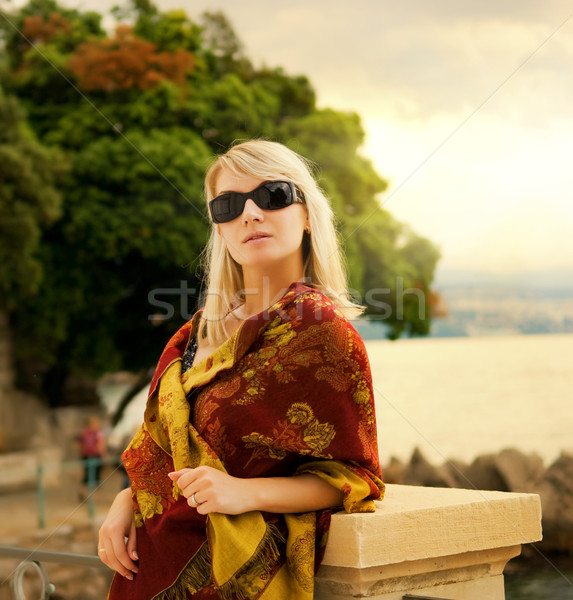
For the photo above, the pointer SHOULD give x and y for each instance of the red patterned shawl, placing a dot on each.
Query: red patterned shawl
(289, 392)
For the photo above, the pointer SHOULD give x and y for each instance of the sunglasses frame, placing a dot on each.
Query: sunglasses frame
(239, 199)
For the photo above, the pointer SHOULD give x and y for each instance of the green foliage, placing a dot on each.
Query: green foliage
(296, 95)
(143, 196)
(230, 109)
(29, 201)
(136, 222)
(169, 31)
(131, 224)
(44, 22)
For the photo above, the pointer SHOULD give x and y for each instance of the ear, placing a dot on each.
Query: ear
(222, 237)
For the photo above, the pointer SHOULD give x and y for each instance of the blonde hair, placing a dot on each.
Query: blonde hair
(323, 264)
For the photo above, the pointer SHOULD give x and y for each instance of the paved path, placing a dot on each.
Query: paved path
(22, 512)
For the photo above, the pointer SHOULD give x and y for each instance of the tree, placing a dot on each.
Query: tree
(139, 114)
(126, 62)
(222, 47)
(170, 31)
(131, 232)
(29, 201)
(43, 23)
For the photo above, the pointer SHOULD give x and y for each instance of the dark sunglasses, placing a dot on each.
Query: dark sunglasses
(271, 195)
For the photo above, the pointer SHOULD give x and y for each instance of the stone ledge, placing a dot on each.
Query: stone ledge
(438, 541)
(413, 523)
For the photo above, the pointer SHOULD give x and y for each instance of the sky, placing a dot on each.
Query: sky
(467, 108)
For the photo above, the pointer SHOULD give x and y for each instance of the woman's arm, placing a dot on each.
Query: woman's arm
(116, 545)
(216, 491)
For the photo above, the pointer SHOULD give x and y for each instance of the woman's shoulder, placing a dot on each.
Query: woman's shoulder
(306, 303)
(309, 310)
(306, 295)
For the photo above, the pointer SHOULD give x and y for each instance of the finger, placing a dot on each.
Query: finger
(204, 508)
(175, 475)
(121, 561)
(192, 498)
(132, 543)
(183, 477)
(186, 479)
(101, 552)
(107, 556)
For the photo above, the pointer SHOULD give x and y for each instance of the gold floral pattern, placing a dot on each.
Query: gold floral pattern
(300, 413)
(149, 504)
(303, 547)
(289, 393)
(300, 432)
(146, 462)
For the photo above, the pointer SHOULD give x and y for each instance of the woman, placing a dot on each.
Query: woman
(260, 419)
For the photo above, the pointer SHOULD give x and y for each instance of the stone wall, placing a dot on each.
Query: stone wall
(6, 381)
(424, 541)
(440, 543)
(24, 421)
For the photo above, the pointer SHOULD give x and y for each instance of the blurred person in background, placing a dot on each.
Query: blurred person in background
(92, 448)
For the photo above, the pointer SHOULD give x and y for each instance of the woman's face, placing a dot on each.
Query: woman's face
(268, 240)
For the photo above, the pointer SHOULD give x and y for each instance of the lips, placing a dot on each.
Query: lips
(255, 236)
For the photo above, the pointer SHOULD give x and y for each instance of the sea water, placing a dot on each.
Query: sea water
(462, 397)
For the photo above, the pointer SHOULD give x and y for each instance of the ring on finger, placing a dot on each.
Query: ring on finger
(194, 500)
(101, 550)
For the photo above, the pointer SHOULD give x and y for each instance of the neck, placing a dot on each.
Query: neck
(263, 290)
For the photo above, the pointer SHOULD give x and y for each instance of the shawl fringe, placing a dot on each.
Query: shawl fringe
(195, 576)
(261, 564)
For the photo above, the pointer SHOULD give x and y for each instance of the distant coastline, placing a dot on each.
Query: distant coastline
(483, 304)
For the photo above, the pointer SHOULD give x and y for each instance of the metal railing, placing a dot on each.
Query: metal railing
(32, 561)
(57, 491)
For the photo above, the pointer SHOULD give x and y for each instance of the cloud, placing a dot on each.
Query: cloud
(415, 59)
(411, 59)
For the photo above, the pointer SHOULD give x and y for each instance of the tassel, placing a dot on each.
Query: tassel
(259, 566)
(195, 576)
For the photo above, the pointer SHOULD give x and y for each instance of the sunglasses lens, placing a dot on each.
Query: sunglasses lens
(277, 195)
(223, 208)
(272, 195)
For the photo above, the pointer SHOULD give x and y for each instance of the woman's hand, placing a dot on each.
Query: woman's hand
(209, 490)
(119, 524)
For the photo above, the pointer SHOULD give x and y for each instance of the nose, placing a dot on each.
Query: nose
(252, 212)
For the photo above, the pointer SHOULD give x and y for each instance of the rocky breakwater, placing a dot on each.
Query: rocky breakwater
(508, 471)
